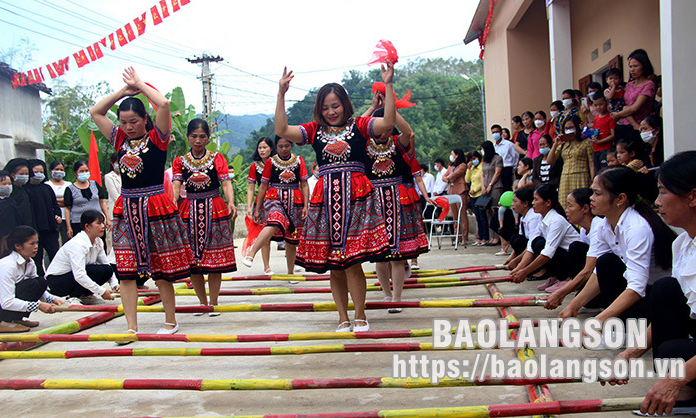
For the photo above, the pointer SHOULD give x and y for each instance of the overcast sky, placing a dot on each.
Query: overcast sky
(319, 40)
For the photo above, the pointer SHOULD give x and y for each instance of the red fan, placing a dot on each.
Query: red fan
(386, 51)
(400, 103)
(444, 204)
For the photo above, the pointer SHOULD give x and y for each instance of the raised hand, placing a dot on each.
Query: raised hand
(388, 73)
(130, 77)
(284, 83)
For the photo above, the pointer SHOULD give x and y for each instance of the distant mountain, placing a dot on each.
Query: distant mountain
(240, 127)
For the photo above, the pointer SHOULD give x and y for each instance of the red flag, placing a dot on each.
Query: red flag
(30, 78)
(91, 53)
(51, 72)
(112, 43)
(165, 10)
(175, 5)
(156, 18)
(81, 58)
(15, 80)
(97, 50)
(121, 39)
(93, 163)
(129, 32)
(140, 23)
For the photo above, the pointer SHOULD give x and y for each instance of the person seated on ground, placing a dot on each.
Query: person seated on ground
(81, 266)
(633, 248)
(8, 208)
(579, 213)
(21, 290)
(551, 249)
(673, 299)
(528, 229)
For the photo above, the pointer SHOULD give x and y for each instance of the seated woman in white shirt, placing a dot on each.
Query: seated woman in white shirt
(633, 248)
(673, 299)
(81, 267)
(21, 290)
(551, 249)
(528, 229)
(579, 213)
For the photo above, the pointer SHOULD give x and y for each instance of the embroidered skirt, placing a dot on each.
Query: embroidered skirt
(402, 218)
(344, 225)
(209, 226)
(150, 240)
(282, 208)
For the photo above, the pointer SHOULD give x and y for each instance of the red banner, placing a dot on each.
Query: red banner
(119, 38)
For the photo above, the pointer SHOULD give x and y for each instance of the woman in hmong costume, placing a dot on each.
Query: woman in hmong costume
(344, 227)
(387, 165)
(264, 151)
(149, 239)
(207, 215)
(282, 203)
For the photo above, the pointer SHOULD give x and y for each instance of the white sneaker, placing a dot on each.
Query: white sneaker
(92, 300)
(73, 301)
(361, 328)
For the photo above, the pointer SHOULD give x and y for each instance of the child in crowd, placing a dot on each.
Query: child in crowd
(8, 208)
(605, 124)
(615, 92)
(612, 161)
(626, 151)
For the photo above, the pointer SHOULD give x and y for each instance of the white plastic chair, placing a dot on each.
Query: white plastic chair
(437, 227)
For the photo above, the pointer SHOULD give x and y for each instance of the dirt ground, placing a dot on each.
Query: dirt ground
(121, 403)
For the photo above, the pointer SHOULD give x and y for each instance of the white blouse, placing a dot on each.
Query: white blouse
(684, 268)
(13, 269)
(557, 232)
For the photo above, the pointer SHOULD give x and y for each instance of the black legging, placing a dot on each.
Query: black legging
(671, 322)
(29, 290)
(66, 285)
(610, 276)
(565, 263)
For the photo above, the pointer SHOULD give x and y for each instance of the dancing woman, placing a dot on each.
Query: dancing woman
(344, 227)
(282, 202)
(264, 151)
(202, 172)
(150, 239)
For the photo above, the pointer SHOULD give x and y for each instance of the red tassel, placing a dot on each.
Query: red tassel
(140, 23)
(93, 163)
(386, 51)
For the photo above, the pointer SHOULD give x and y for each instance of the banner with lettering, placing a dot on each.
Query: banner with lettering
(117, 39)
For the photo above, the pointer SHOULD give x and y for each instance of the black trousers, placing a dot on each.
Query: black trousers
(565, 263)
(508, 229)
(66, 285)
(507, 177)
(610, 271)
(48, 241)
(29, 290)
(671, 323)
(518, 243)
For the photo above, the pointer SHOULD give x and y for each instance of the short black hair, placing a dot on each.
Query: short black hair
(424, 167)
(90, 216)
(497, 126)
(440, 160)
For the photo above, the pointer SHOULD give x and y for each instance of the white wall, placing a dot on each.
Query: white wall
(20, 120)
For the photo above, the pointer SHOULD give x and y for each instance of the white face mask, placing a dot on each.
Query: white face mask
(539, 123)
(554, 113)
(452, 158)
(567, 103)
(569, 131)
(5, 191)
(647, 136)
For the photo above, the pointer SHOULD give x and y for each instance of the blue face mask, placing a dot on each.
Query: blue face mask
(83, 176)
(544, 151)
(496, 136)
(475, 162)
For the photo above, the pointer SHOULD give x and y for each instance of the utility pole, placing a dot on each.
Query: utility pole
(206, 76)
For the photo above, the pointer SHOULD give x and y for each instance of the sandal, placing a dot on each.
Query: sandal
(126, 342)
(199, 313)
(268, 272)
(344, 326)
(361, 328)
(248, 261)
(169, 331)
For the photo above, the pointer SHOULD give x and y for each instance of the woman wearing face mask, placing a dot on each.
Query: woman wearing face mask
(265, 149)
(491, 182)
(8, 208)
(455, 176)
(571, 107)
(542, 127)
(554, 112)
(650, 130)
(46, 213)
(544, 172)
(576, 153)
(19, 171)
(84, 194)
(112, 183)
(59, 184)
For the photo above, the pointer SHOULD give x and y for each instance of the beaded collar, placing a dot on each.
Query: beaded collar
(288, 164)
(194, 164)
(381, 151)
(332, 134)
(130, 163)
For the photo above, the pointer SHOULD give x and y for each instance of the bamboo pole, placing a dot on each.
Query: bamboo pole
(480, 411)
(259, 384)
(314, 307)
(232, 338)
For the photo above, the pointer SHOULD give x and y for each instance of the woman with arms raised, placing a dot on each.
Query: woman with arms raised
(344, 226)
(150, 240)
